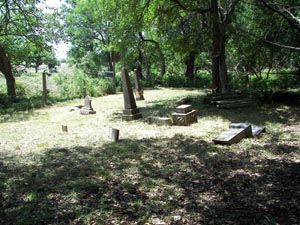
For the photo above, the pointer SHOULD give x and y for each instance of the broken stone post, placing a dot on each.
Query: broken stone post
(138, 87)
(131, 112)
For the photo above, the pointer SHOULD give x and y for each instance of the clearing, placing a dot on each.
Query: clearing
(155, 174)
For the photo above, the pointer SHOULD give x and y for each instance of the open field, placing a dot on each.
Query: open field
(155, 174)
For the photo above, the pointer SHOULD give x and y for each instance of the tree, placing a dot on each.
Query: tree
(20, 21)
(87, 26)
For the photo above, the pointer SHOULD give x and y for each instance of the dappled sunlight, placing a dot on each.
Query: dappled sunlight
(143, 181)
(154, 174)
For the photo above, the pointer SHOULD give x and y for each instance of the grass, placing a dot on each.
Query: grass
(155, 174)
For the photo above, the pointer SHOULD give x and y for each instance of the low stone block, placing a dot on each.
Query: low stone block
(131, 114)
(85, 111)
(164, 121)
(184, 119)
(183, 109)
(232, 136)
(256, 130)
(132, 117)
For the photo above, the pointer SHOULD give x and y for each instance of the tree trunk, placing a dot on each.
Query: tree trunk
(6, 69)
(161, 55)
(147, 67)
(190, 65)
(139, 67)
(223, 66)
(219, 67)
(112, 67)
(215, 50)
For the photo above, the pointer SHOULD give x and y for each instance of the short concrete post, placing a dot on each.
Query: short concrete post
(64, 128)
(115, 134)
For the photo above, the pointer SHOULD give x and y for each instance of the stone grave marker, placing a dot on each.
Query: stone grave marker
(256, 130)
(131, 112)
(87, 108)
(233, 136)
(138, 87)
(184, 115)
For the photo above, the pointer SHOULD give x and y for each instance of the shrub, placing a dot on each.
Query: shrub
(22, 89)
(78, 85)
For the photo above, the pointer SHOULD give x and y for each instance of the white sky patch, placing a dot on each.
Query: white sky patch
(54, 3)
(61, 49)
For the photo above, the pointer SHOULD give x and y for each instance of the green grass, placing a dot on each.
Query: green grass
(155, 174)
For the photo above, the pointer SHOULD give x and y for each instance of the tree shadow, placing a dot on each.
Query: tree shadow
(257, 114)
(19, 116)
(179, 180)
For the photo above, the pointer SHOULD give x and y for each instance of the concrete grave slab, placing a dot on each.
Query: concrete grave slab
(256, 130)
(233, 136)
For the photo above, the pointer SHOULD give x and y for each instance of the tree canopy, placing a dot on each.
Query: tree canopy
(157, 37)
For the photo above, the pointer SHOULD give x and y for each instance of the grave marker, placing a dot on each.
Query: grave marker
(87, 108)
(256, 130)
(131, 112)
(233, 136)
(184, 115)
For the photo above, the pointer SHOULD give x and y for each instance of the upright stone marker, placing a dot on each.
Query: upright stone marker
(138, 87)
(131, 112)
(87, 108)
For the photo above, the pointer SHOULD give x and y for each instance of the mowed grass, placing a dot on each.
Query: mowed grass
(155, 174)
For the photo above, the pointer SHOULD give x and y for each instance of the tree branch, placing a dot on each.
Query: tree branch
(282, 15)
(198, 10)
(271, 42)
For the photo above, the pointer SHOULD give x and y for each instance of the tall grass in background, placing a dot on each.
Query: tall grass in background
(78, 85)
(62, 86)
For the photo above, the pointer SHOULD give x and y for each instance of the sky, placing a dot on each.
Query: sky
(54, 3)
(61, 48)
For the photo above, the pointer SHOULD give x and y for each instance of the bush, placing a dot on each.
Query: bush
(78, 85)
(22, 89)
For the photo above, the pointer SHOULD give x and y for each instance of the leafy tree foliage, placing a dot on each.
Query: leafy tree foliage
(23, 32)
(173, 36)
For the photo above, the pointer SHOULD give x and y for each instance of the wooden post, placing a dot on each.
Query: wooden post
(45, 92)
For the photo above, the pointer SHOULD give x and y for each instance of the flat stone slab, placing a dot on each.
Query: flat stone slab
(184, 119)
(164, 121)
(85, 111)
(256, 130)
(183, 109)
(232, 136)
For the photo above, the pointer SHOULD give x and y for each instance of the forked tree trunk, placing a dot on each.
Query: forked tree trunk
(161, 55)
(6, 69)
